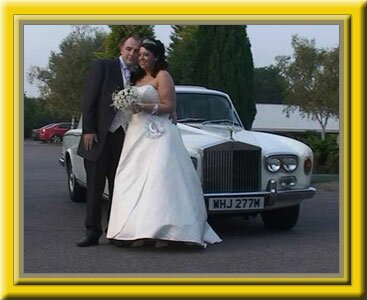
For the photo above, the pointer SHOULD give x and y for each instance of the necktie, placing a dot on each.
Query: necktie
(127, 76)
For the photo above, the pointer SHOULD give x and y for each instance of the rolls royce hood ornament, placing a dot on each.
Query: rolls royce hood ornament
(231, 130)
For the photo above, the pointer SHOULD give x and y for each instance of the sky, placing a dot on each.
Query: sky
(267, 42)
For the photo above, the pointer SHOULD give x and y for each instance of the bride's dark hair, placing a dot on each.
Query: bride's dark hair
(157, 48)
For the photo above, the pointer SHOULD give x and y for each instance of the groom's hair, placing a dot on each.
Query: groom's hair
(134, 36)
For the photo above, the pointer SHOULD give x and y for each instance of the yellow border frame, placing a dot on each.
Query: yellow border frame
(351, 14)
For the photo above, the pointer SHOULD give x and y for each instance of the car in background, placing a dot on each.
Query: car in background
(52, 132)
(242, 172)
(36, 131)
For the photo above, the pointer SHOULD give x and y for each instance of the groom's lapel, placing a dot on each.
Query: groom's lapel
(116, 69)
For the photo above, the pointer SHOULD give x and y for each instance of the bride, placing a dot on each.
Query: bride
(157, 195)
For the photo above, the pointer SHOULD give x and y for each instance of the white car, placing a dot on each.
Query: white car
(242, 171)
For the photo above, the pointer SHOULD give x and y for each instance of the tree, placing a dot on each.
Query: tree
(218, 57)
(224, 61)
(181, 53)
(313, 78)
(118, 32)
(269, 85)
(61, 83)
(35, 114)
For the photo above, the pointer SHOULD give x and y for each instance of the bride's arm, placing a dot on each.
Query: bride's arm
(167, 96)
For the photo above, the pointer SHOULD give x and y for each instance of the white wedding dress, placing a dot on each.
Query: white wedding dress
(157, 193)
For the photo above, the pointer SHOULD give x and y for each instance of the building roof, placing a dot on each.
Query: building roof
(271, 118)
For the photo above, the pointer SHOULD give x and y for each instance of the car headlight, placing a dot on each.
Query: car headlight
(289, 163)
(273, 164)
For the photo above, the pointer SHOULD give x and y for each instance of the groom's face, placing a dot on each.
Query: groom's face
(129, 51)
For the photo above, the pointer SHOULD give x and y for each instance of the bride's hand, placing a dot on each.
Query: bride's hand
(136, 108)
(173, 117)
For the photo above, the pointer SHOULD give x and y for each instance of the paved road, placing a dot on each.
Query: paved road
(52, 224)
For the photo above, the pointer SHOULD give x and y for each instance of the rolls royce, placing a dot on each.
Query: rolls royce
(241, 171)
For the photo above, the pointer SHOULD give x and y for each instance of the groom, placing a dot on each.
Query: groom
(103, 131)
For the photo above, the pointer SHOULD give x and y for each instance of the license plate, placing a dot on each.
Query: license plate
(247, 203)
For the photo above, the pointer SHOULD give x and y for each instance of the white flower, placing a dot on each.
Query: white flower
(123, 99)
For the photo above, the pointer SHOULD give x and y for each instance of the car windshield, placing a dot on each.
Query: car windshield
(199, 108)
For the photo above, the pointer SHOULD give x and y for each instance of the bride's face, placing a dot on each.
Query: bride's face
(146, 59)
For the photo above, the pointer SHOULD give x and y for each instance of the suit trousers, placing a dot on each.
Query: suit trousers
(97, 172)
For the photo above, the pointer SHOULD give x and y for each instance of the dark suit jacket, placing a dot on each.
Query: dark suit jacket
(103, 79)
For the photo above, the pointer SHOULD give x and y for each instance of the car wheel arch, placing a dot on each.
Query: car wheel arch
(77, 193)
(282, 218)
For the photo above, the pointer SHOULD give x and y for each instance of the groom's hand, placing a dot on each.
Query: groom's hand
(88, 140)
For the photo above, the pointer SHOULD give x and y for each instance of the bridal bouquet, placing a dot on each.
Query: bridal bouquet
(123, 99)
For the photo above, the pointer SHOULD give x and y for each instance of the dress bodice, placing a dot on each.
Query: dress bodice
(147, 93)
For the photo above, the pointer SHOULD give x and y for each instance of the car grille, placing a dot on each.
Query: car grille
(232, 167)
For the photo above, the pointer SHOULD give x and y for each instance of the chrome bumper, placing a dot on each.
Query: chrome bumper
(273, 198)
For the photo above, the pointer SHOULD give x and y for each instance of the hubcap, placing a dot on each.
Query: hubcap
(56, 139)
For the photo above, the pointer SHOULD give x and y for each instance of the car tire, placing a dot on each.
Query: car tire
(76, 192)
(281, 218)
(56, 139)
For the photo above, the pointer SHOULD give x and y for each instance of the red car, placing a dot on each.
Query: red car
(52, 132)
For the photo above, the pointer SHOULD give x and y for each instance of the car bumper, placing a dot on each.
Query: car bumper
(43, 138)
(273, 199)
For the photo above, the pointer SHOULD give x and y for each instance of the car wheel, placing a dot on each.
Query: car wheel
(56, 139)
(282, 218)
(76, 191)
